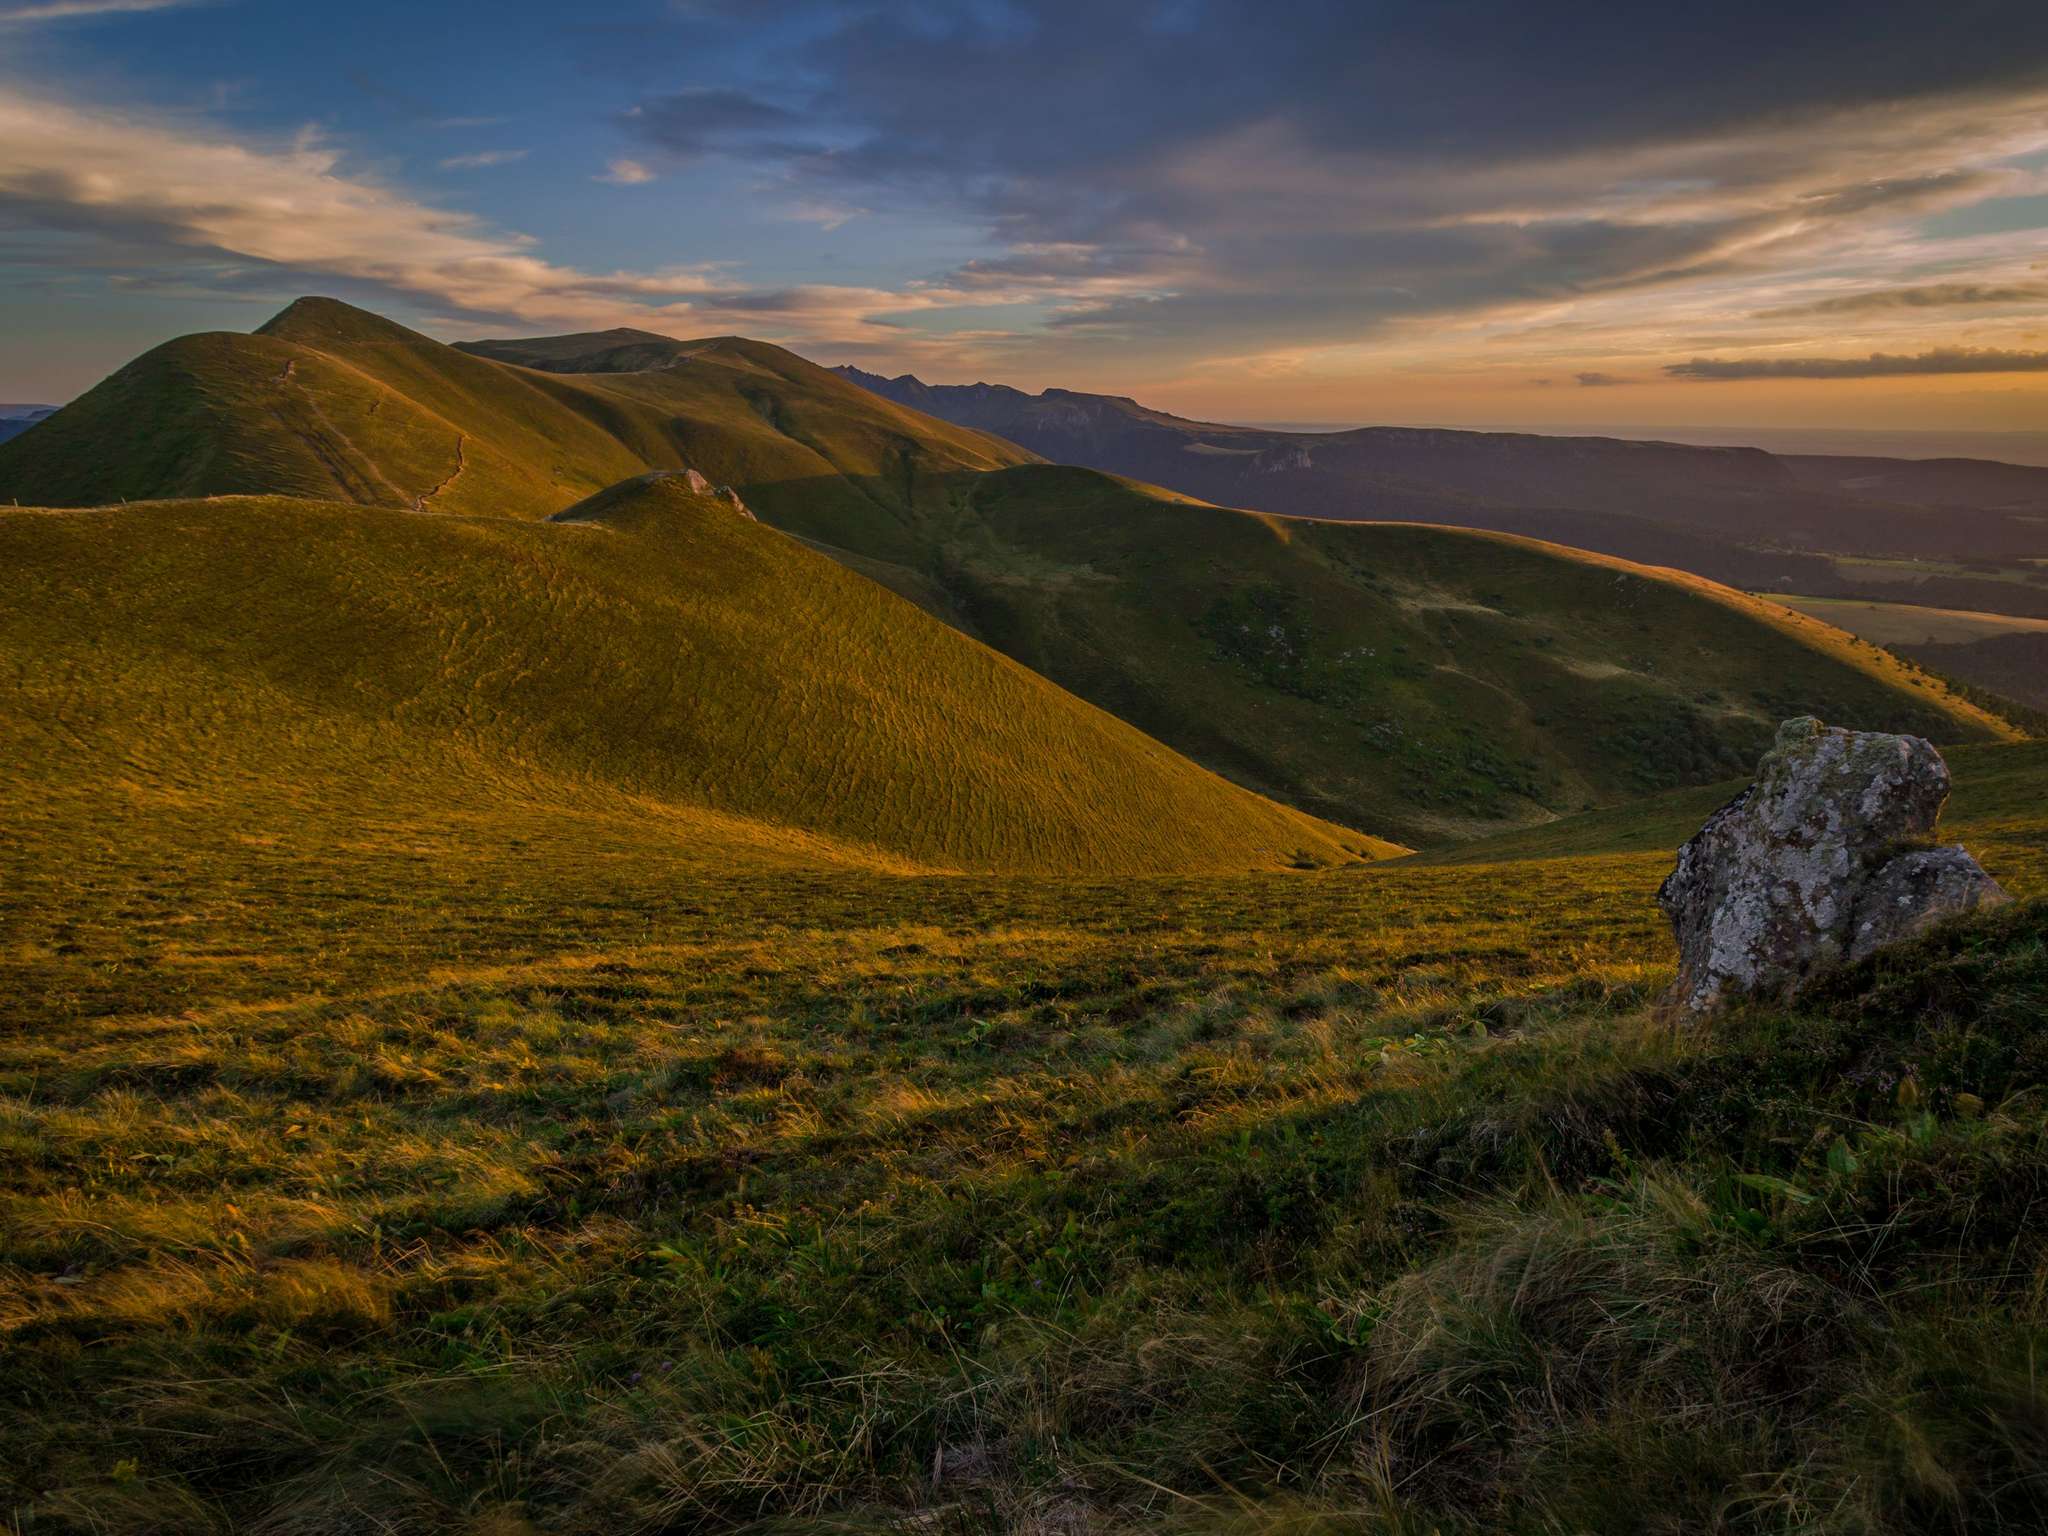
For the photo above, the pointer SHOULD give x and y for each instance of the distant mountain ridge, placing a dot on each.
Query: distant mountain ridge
(1739, 501)
(17, 419)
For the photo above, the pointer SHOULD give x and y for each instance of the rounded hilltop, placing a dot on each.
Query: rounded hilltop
(632, 501)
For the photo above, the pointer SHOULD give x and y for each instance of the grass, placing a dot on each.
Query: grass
(1905, 624)
(2011, 669)
(499, 1186)
(1996, 796)
(297, 673)
(623, 1025)
(1890, 572)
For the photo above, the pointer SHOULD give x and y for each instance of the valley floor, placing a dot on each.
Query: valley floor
(546, 1177)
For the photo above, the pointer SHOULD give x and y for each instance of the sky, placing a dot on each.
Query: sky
(1819, 215)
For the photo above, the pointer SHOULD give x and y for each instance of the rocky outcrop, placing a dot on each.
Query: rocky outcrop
(1827, 857)
(724, 493)
(629, 503)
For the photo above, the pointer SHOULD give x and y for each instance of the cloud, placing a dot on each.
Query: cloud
(155, 196)
(483, 159)
(707, 120)
(1368, 167)
(1923, 296)
(1405, 185)
(626, 173)
(143, 200)
(827, 216)
(1591, 379)
(32, 12)
(1877, 365)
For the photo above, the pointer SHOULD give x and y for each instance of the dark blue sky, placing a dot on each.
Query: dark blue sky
(1467, 209)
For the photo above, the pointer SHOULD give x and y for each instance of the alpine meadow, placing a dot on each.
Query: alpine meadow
(632, 902)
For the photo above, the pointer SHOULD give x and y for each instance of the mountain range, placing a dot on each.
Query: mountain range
(1739, 515)
(17, 419)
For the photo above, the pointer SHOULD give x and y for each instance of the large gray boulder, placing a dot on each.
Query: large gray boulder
(1827, 857)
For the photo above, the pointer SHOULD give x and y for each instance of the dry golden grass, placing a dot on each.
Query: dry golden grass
(277, 671)
(359, 1187)
(425, 1105)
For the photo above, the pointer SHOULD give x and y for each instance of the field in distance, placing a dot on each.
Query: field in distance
(1906, 624)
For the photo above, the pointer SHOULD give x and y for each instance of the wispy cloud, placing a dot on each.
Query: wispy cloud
(1922, 296)
(626, 173)
(30, 12)
(1877, 365)
(142, 196)
(1403, 172)
(483, 159)
(158, 195)
(1594, 379)
(826, 215)
(711, 120)
(1403, 191)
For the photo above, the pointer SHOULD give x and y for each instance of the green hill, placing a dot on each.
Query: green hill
(654, 669)
(1426, 682)
(332, 403)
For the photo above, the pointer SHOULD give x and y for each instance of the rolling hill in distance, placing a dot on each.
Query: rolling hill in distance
(1415, 683)
(1378, 676)
(16, 419)
(329, 401)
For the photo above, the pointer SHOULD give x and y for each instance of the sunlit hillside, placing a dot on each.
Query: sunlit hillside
(1426, 682)
(333, 403)
(266, 673)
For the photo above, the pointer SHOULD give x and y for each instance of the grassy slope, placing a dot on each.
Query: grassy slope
(330, 402)
(1997, 788)
(494, 1189)
(1423, 681)
(2011, 666)
(269, 669)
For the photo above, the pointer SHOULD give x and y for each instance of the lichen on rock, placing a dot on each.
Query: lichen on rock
(1827, 857)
